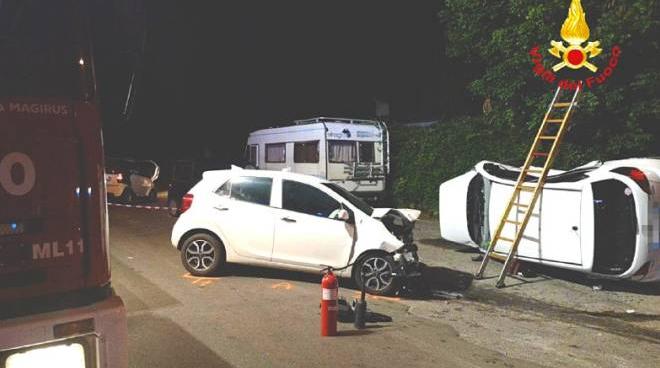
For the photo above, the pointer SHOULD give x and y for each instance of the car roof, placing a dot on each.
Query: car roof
(236, 171)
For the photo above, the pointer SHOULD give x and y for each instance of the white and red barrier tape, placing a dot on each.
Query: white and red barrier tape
(139, 206)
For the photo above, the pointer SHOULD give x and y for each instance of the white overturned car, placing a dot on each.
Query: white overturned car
(600, 218)
(292, 221)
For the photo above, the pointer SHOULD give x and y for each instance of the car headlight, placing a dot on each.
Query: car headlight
(66, 355)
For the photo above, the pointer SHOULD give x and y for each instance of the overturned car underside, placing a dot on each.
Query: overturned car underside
(600, 218)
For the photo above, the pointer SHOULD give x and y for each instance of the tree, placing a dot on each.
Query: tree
(620, 118)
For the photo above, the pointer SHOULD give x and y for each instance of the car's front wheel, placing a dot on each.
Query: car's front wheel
(378, 271)
(202, 254)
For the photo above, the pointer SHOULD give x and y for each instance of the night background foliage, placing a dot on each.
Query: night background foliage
(213, 71)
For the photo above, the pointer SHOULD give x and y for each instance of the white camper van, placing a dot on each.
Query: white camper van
(353, 153)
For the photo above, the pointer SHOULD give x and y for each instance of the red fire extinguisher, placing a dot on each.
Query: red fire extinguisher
(329, 308)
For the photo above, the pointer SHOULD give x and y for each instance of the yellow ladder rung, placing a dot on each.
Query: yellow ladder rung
(498, 257)
(506, 239)
(545, 133)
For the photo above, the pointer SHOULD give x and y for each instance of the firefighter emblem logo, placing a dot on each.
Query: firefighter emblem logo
(575, 32)
(574, 53)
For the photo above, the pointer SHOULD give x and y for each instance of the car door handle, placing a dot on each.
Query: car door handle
(221, 208)
(288, 219)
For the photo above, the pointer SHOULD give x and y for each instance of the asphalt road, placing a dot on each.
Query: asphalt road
(255, 317)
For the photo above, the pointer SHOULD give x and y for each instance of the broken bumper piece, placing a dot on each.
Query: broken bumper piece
(407, 261)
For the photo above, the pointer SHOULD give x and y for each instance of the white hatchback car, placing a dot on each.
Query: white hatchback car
(292, 221)
(602, 218)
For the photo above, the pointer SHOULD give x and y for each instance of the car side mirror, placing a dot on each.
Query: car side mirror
(343, 215)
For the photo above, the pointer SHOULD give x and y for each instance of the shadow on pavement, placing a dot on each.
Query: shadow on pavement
(438, 283)
(355, 332)
(137, 292)
(536, 271)
(435, 282)
(164, 344)
(271, 273)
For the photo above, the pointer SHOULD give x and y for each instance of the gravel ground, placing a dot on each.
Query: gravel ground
(554, 319)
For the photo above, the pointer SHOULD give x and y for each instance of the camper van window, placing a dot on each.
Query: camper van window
(341, 151)
(306, 152)
(303, 198)
(276, 152)
(366, 151)
(252, 155)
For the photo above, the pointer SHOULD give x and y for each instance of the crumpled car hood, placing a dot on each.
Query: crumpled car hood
(399, 222)
(410, 214)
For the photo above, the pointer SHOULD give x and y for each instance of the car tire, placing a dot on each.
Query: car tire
(202, 254)
(127, 196)
(379, 268)
(173, 207)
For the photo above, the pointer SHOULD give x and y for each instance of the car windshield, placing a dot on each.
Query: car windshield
(45, 50)
(355, 201)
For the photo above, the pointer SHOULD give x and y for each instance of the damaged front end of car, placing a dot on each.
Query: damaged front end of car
(401, 223)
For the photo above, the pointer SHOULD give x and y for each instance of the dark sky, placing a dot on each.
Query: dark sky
(214, 70)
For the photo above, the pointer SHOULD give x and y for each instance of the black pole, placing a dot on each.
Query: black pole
(361, 306)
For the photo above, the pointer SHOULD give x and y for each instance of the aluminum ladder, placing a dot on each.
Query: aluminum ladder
(550, 134)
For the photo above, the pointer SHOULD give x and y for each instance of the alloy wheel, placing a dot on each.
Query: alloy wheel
(377, 273)
(200, 255)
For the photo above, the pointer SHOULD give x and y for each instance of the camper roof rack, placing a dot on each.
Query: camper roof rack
(323, 119)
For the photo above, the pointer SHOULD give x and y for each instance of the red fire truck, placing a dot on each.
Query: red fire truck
(57, 308)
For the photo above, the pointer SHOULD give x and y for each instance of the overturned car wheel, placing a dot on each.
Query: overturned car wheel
(378, 270)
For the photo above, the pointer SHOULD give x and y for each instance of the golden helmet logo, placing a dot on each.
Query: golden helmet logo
(575, 31)
(574, 54)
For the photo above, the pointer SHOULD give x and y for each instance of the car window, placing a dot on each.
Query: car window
(355, 201)
(248, 189)
(304, 198)
(225, 189)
